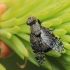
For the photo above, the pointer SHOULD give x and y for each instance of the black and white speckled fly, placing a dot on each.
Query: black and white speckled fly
(42, 40)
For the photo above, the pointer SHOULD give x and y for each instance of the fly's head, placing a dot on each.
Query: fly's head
(31, 21)
(34, 25)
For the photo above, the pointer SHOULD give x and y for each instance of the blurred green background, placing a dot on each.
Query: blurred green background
(11, 63)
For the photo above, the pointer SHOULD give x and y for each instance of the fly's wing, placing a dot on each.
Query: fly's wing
(37, 48)
(58, 46)
(49, 39)
(40, 56)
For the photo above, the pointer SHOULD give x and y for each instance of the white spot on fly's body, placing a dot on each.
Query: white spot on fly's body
(44, 37)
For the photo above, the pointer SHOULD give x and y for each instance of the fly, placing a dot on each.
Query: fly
(42, 40)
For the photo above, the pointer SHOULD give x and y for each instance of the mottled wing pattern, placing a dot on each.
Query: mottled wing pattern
(42, 40)
(44, 43)
(49, 39)
(37, 48)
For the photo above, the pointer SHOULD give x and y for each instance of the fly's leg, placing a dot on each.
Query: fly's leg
(39, 21)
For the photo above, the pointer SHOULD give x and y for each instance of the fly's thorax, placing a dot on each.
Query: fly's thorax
(35, 29)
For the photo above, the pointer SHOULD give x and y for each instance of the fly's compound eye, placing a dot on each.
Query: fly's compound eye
(31, 21)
